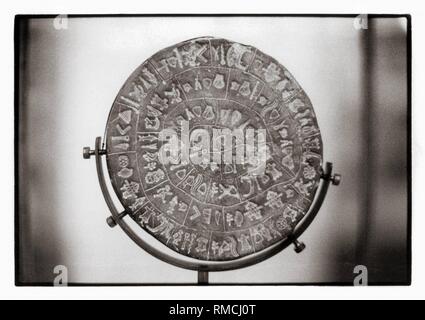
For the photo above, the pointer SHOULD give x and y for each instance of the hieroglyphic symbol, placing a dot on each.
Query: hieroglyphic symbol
(311, 144)
(236, 218)
(309, 130)
(133, 105)
(270, 112)
(284, 144)
(290, 213)
(309, 172)
(196, 184)
(150, 77)
(181, 170)
(304, 114)
(125, 172)
(177, 237)
(271, 73)
(207, 114)
(150, 166)
(303, 188)
(173, 204)
(287, 159)
(154, 176)
(205, 214)
(229, 191)
(187, 87)
(218, 82)
(138, 203)
(274, 200)
(147, 80)
(283, 125)
(202, 245)
(123, 161)
(305, 121)
(235, 55)
(193, 53)
(138, 93)
(151, 146)
(173, 94)
(125, 116)
(253, 211)
(163, 222)
(188, 241)
(187, 56)
(218, 54)
(150, 156)
(260, 232)
(164, 228)
(217, 216)
(166, 232)
(243, 239)
(121, 142)
(152, 121)
(285, 86)
(214, 247)
(289, 193)
(163, 192)
(244, 89)
(157, 101)
(270, 225)
(144, 216)
(181, 206)
(130, 189)
(230, 116)
(121, 130)
(281, 223)
(262, 100)
(173, 61)
(272, 171)
(295, 105)
(228, 245)
(197, 213)
(197, 113)
(253, 182)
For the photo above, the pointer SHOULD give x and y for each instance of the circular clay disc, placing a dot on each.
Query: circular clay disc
(203, 199)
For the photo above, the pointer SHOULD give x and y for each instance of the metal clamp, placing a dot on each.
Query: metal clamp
(111, 220)
(335, 179)
(87, 152)
(298, 246)
(327, 177)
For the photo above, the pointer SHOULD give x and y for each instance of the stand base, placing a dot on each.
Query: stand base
(203, 278)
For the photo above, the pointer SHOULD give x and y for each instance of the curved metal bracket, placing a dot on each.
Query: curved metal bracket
(204, 267)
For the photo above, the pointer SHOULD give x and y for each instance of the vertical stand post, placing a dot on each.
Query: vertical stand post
(202, 278)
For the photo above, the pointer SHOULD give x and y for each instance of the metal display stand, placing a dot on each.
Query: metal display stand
(203, 268)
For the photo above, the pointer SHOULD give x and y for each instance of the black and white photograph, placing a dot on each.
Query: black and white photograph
(212, 150)
(212, 159)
